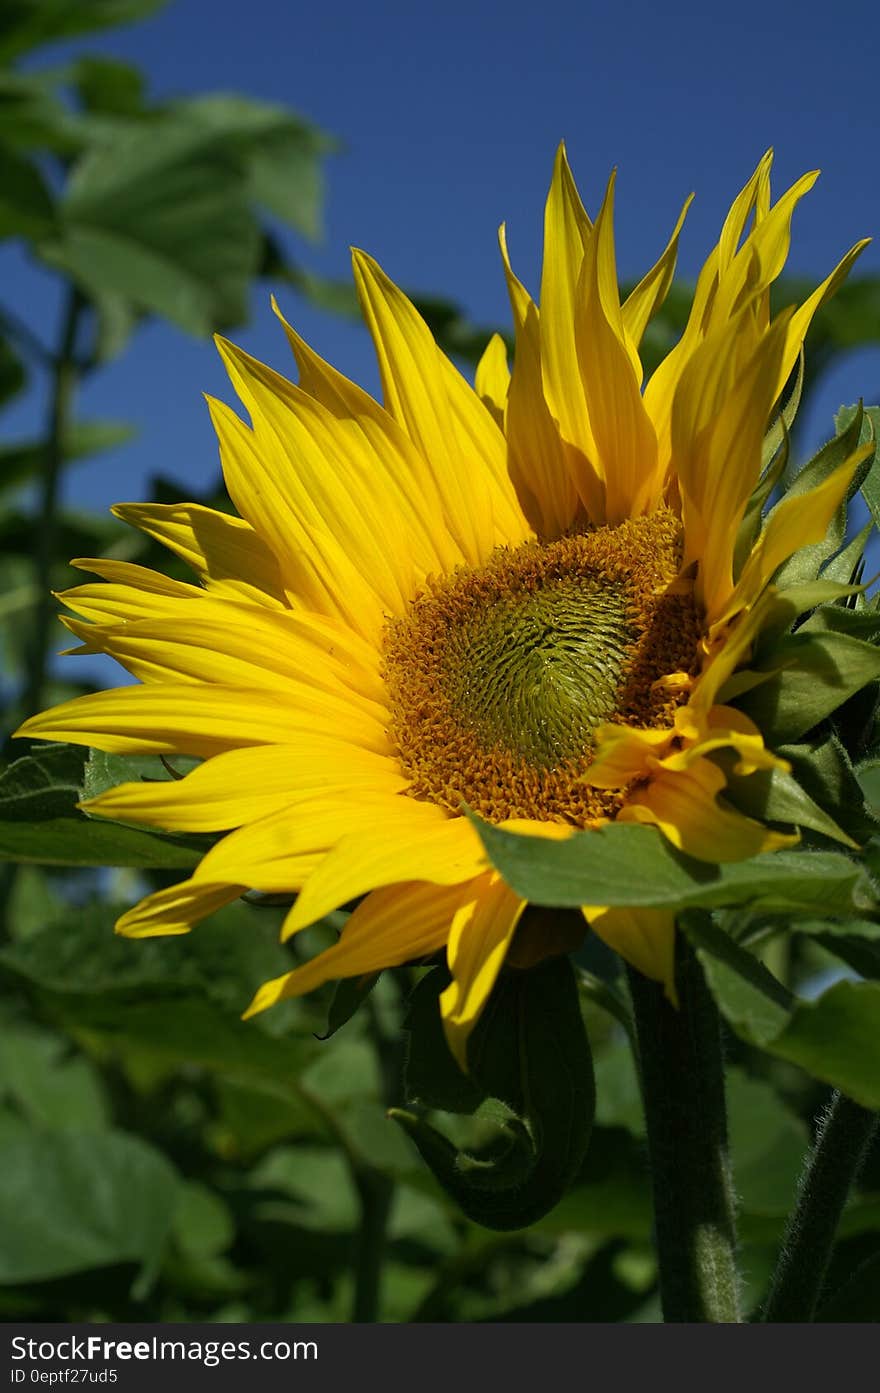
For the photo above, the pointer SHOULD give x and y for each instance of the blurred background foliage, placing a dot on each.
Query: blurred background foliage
(161, 1159)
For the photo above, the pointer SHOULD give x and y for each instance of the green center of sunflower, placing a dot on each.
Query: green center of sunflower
(532, 671)
(498, 676)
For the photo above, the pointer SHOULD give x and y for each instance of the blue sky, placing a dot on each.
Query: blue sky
(449, 115)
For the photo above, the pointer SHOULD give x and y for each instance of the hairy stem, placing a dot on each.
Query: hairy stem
(832, 1167)
(682, 1076)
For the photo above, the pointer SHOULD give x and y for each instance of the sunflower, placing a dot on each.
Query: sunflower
(523, 600)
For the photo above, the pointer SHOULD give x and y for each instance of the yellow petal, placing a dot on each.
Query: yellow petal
(479, 439)
(127, 574)
(415, 386)
(802, 318)
(225, 552)
(624, 753)
(661, 389)
(328, 474)
(567, 234)
(761, 258)
(243, 786)
(385, 451)
(625, 439)
(492, 378)
(197, 720)
(282, 851)
(391, 926)
(799, 520)
(684, 806)
(724, 728)
(645, 938)
(732, 648)
(131, 592)
(316, 570)
(541, 464)
(175, 910)
(236, 645)
(643, 302)
(481, 933)
(721, 411)
(757, 188)
(423, 843)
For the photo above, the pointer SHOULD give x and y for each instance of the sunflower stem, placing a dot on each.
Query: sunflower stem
(842, 1139)
(64, 379)
(375, 1192)
(63, 368)
(682, 1074)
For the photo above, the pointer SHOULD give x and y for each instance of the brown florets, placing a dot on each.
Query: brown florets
(498, 675)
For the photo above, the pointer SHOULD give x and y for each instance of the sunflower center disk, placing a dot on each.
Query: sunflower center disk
(498, 676)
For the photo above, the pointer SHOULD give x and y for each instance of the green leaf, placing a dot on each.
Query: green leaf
(432, 1078)
(618, 1092)
(40, 822)
(805, 564)
(824, 770)
(870, 427)
(530, 1052)
(844, 928)
(26, 208)
(33, 118)
(74, 1201)
(348, 998)
(250, 1120)
(20, 461)
(203, 1223)
(774, 461)
(42, 785)
(103, 770)
(836, 1038)
(817, 674)
(25, 24)
(839, 619)
(48, 1085)
(855, 941)
(159, 216)
(785, 607)
(117, 318)
(611, 1198)
(318, 1185)
(753, 1001)
(596, 867)
(767, 1143)
(107, 86)
(772, 795)
(281, 154)
(821, 793)
(868, 776)
(173, 1001)
(76, 954)
(780, 429)
(750, 527)
(860, 955)
(844, 565)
